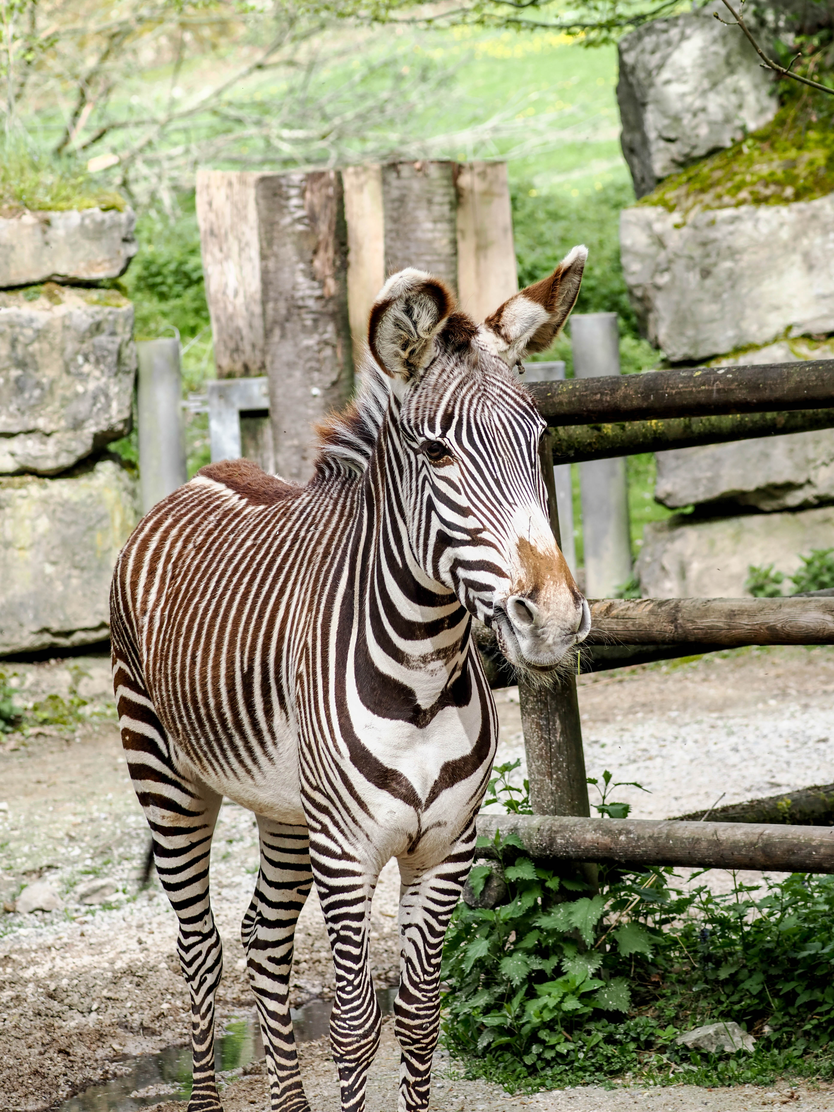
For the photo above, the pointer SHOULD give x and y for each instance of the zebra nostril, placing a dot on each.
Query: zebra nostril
(521, 611)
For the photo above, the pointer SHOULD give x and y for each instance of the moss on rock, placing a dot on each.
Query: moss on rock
(790, 159)
(35, 182)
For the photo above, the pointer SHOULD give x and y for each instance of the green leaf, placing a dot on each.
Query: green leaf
(515, 967)
(633, 938)
(523, 869)
(615, 996)
(477, 948)
(582, 966)
(584, 914)
(478, 876)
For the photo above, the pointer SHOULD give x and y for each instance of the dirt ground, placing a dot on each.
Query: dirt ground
(87, 985)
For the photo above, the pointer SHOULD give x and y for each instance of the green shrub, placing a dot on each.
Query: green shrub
(563, 984)
(815, 574)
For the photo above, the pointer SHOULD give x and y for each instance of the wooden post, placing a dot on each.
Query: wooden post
(691, 392)
(452, 219)
(275, 259)
(605, 525)
(366, 272)
(487, 272)
(550, 719)
(713, 845)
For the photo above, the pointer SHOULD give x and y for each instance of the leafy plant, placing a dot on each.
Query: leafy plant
(515, 800)
(10, 715)
(564, 984)
(815, 574)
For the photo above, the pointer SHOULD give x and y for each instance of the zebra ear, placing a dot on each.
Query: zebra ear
(530, 320)
(409, 312)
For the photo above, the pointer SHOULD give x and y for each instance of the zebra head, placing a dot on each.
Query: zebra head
(465, 438)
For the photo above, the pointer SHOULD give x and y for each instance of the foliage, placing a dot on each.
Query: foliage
(515, 800)
(165, 280)
(815, 574)
(33, 179)
(143, 94)
(546, 226)
(10, 711)
(560, 984)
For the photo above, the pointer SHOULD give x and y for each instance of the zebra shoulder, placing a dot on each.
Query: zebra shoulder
(248, 480)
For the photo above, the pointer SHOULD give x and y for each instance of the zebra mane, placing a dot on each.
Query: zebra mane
(347, 438)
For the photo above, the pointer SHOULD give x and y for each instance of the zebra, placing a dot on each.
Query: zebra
(306, 651)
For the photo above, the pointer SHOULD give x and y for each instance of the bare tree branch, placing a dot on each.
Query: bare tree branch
(768, 63)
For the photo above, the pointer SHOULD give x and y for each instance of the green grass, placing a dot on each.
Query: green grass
(31, 179)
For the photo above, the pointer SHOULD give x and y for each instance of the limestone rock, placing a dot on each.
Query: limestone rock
(774, 473)
(688, 557)
(71, 246)
(725, 1037)
(719, 279)
(67, 367)
(40, 896)
(687, 87)
(59, 539)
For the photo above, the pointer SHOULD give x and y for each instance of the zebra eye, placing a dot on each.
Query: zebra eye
(435, 450)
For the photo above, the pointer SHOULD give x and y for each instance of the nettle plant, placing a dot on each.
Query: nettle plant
(526, 975)
(561, 981)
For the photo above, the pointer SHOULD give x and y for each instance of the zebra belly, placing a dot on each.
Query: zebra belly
(268, 786)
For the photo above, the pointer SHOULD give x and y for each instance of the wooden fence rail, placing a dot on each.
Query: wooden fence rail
(578, 443)
(715, 845)
(698, 392)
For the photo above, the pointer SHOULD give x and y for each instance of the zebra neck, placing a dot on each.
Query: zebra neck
(412, 630)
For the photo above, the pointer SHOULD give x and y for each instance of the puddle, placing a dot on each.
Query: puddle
(167, 1076)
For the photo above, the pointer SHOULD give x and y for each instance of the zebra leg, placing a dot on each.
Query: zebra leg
(284, 881)
(346, 888)
(427, 901)
(182, 816)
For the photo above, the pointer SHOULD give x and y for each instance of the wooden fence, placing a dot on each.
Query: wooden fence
(600, 417)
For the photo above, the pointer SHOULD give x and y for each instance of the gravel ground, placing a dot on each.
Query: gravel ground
(84, 986)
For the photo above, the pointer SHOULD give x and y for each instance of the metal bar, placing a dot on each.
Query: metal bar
(695, 392)
(226, 398)
(579, 443)
(162, 466)
(711, 845)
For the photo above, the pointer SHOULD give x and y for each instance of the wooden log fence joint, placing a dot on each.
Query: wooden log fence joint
(647, 842)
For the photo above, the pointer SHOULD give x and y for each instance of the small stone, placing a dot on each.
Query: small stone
(96, 891)
(4, 807)
(40, 896)
(714, 1037)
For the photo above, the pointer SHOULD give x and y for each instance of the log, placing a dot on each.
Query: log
(487, 273)
(580, 443)
(803, 807)
(711, 845)
(723, 622)
(696, 392)
(309, 360)
(419, 202)
(227, 214)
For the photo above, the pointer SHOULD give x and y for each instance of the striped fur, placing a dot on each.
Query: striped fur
(306, 652)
